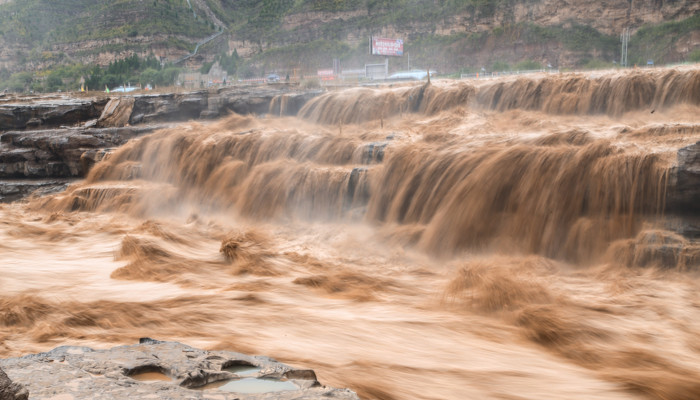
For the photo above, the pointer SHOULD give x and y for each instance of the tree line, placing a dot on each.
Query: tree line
(132, 70)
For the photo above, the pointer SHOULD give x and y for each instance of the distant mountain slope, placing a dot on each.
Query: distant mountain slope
(465, 34)
(65, 21)
(39, 31)
(283, 34)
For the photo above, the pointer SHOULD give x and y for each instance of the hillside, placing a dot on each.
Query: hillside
(450, 35)
(42, 32)
(468, 34)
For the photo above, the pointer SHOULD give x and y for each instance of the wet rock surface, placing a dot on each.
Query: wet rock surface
(16, 189)
(684, 193)
(159, 370)
(59, 153)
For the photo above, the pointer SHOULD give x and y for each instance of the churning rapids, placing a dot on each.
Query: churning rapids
(503, 239)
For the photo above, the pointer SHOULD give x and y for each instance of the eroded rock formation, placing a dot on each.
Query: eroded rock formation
(59, 153)
(155, 369)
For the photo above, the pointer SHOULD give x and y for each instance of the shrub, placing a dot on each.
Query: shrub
(694, 55)
(500, 66)
(598, 64)
(528, 65)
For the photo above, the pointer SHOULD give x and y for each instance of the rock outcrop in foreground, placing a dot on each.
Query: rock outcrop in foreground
(162, 370)
(10, 390)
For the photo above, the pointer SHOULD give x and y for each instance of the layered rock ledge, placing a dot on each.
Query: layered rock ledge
(162, 370)
(47, 160)
(41, 112)
(60, 153)
(47, 141)
(23, 112)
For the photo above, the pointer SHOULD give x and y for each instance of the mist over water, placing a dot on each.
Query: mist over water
(505, 239)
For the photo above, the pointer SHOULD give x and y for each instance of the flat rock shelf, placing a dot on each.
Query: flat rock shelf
(154, 369)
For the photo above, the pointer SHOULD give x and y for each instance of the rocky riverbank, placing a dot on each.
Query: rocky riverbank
(155, 369)
(47, 160)
(47, 141)
(53, 111)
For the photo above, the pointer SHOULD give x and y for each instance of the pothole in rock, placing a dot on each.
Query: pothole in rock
(240, 368)
(250, 385)
(148, 373)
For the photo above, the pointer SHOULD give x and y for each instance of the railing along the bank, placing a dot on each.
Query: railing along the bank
(489, 75)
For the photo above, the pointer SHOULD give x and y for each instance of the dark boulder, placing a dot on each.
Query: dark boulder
(10, 390)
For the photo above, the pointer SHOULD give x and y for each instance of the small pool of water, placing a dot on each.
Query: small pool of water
(243, 370)
(151, 377)
(251, 385)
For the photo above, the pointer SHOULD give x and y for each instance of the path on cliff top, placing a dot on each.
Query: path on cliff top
(212, 17)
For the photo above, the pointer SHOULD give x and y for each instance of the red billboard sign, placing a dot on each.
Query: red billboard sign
(326, 74)
(387, 47)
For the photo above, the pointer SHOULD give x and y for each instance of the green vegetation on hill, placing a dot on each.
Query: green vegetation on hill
(66, 21)
(654, 41)
(42, 24)
(694, 56)
(259, 20)
(403, 9)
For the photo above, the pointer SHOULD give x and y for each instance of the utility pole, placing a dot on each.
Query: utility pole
(625, 38)
(409, 60)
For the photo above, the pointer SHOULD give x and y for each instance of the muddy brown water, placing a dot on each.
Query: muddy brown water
(467, 244)
(151, 377)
